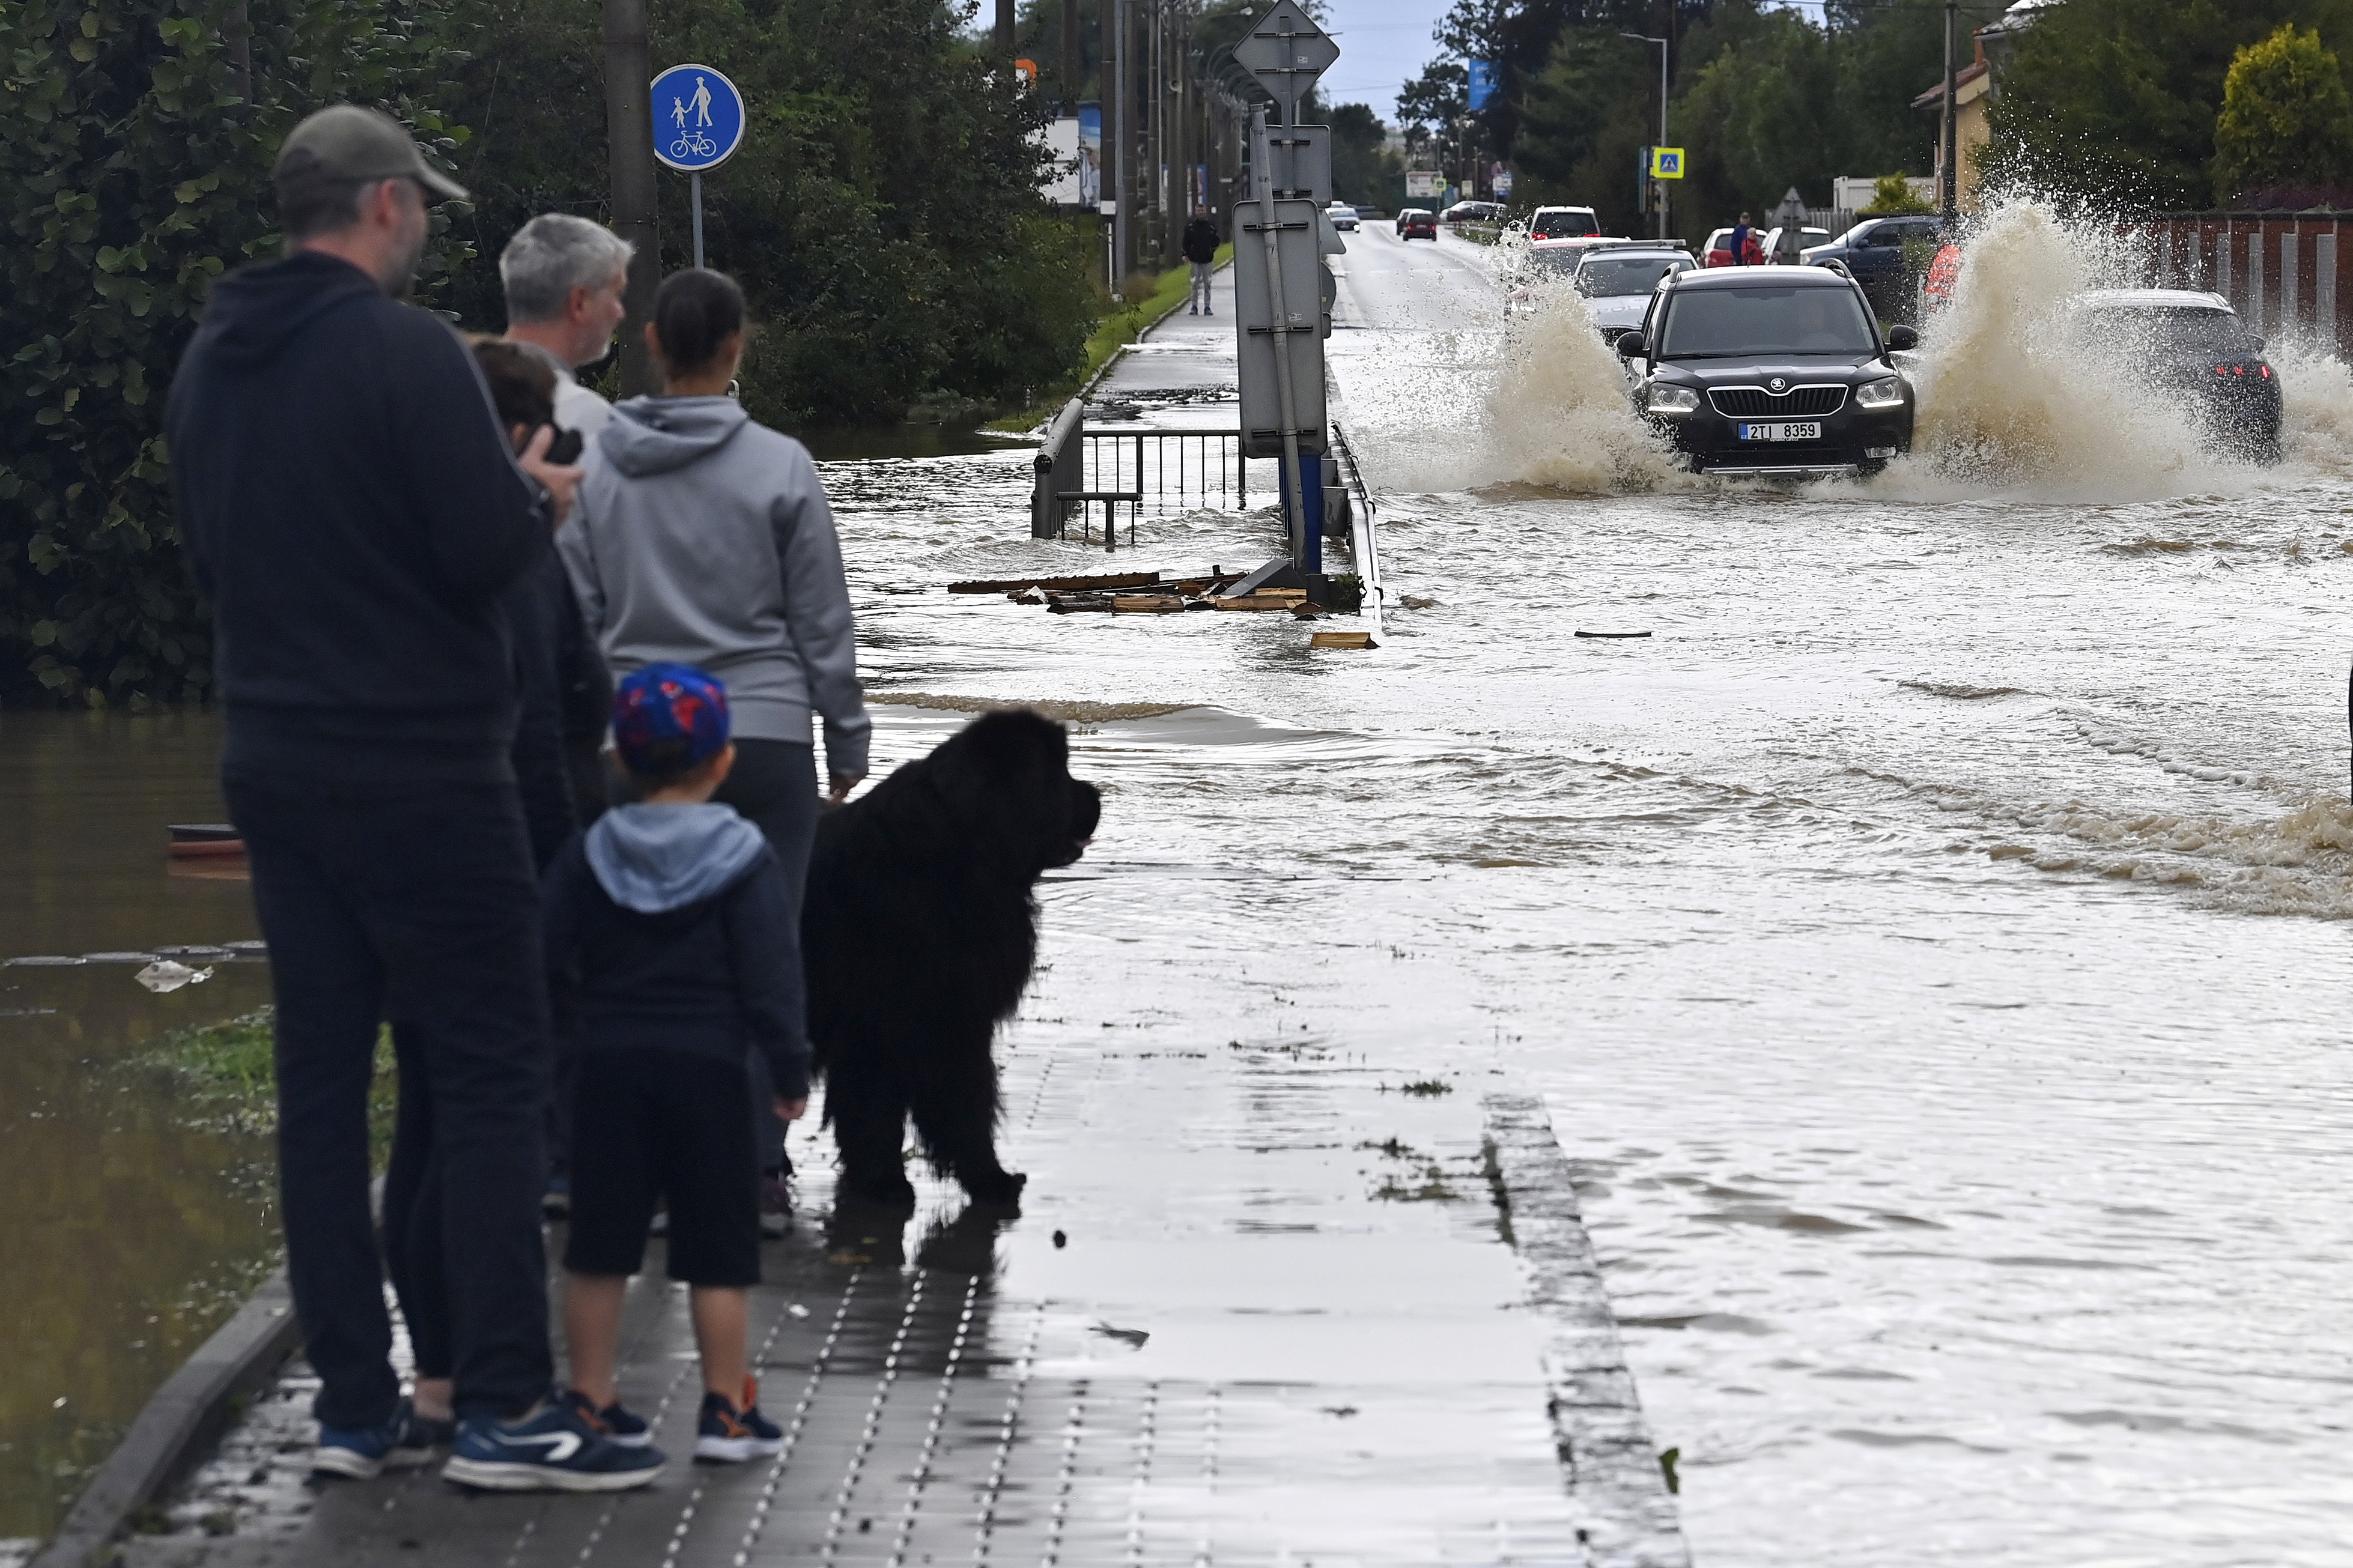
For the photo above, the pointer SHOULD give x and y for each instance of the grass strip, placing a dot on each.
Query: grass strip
(1114, 333)
(228, 1072)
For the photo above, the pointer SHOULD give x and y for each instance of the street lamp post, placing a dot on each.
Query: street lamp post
(1952, 114)
(1660, 187)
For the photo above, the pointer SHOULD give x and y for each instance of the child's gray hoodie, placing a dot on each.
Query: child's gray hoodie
(703, 538)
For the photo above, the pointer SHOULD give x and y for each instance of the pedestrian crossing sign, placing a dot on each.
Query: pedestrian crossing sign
(1666, 162)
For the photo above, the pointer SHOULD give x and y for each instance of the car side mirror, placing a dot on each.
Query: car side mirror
(1899, 338)
(2259, 346)
(1632, 345)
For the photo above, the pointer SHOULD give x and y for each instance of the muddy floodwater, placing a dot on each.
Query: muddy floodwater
(1931, 940)
(134, 1224)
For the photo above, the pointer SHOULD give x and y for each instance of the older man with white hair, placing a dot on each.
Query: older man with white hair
(563, 278)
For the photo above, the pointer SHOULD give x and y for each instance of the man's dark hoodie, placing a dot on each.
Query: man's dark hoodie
(350, 505)
(1200, 242)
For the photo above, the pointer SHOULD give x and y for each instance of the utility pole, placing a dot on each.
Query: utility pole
(1952, 181)
(1115, 134)
(1658, 186)
(1005, 30)
(1071, 57)
(629, 148)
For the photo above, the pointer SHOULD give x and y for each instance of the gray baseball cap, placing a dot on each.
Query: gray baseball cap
(348, 143)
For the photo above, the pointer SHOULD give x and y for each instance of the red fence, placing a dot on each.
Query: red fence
(2286, 273)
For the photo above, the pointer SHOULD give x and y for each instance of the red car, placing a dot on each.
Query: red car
(1416, 223)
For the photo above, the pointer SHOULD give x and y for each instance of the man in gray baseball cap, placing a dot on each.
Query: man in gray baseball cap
(349, 504)
(340, 165)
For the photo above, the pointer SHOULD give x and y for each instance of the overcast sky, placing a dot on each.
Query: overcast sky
(1384, 44)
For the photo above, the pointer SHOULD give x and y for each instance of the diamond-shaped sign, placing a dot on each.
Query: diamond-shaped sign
(1287, 52)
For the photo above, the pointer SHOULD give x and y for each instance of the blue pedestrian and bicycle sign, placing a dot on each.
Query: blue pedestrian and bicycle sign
(698, 118)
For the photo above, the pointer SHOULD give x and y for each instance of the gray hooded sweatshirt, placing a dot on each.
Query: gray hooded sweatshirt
(703, 538)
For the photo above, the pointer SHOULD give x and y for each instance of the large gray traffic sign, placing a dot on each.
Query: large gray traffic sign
(1299, 158)
(1287, 51)
(1299, 252)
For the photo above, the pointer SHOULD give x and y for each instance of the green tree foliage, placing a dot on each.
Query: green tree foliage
(882, 214)
(2113, 103)
(1765, 97)
(131, 175)
(1893, 195)
(2286, 117)
(1363, 170)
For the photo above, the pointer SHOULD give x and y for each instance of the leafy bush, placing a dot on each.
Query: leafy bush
(131, 175)
(2287, 118)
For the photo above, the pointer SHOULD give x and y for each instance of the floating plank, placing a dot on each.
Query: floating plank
(1342, 639)
(1254, 602)
(1059, 584)
(1613, 635)
(1146, 604)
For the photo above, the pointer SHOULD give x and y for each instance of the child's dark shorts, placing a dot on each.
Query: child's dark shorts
(653, 1124)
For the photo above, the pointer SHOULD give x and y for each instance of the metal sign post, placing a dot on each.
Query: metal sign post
(699, 121)
(1278, 295)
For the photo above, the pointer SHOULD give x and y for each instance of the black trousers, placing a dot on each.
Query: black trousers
(772, 786)
(413, 903)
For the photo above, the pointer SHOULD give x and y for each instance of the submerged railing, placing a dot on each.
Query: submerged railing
(1079, 468)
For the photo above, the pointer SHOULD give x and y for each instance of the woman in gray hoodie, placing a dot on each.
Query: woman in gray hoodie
(701, 537)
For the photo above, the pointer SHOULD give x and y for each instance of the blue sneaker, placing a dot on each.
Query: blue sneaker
(364, 1453)
(616, 1424)
(555, 1448)
(728, 1436)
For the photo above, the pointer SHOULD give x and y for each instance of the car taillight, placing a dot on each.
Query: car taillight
(2267, 372)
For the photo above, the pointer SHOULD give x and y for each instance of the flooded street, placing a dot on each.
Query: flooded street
(134, 1225)
(1929, 941)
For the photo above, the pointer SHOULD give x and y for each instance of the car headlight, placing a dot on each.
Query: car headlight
(1887, 392)
(1672, 400)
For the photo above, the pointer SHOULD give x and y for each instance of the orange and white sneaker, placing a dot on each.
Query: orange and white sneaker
(729, 1435)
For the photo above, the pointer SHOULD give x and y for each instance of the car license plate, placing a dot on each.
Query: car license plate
(1810, 431)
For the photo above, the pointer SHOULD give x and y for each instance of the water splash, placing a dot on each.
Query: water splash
(2015, 396)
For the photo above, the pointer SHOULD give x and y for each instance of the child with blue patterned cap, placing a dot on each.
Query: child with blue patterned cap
(671, 916)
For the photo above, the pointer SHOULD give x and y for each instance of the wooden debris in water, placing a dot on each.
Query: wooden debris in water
(1342, 639)
(1059, 584)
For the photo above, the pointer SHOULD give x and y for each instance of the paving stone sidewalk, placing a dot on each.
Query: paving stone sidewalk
(1261, 1308)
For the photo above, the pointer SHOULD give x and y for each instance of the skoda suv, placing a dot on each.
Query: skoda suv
(1771, 371)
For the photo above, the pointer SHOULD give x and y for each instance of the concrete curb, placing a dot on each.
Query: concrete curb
(1626, 1516)
(179, 1425)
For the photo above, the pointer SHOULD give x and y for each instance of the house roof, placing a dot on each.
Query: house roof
(1973, 75)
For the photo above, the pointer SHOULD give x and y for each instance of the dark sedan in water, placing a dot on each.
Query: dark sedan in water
(1771, 371)
(2191, 347)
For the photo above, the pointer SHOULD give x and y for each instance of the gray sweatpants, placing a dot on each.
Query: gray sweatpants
(1200, 298)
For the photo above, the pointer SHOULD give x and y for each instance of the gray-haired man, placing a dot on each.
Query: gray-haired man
(563, 278)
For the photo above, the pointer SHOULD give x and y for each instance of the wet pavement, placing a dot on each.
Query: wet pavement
(1928, 945)
(1260, 1308)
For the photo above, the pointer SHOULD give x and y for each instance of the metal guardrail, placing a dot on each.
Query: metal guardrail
(1164, 470)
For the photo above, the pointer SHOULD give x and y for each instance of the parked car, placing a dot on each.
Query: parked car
(1473, 212)
(1786, 247)
(1717, 251)
(1771, 371)
(2191, 346)
(1342, 216)
(1873, 251)
(1562, 222)
(1618, 281)
(1417, 223)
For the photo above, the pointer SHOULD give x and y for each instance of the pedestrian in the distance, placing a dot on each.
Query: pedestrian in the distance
(1200, 246)
(672, 917)
(1747, 249)
(353, 512)
(702, 537)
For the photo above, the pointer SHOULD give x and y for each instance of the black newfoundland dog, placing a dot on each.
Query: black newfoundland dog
(919, 932)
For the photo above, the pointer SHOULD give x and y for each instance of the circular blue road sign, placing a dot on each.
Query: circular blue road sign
(698, 118)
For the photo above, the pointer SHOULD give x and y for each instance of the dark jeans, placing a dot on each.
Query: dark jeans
(774, 786)
(413, 901)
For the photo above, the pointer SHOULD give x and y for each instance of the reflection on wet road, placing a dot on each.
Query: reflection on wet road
(1929, 939)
